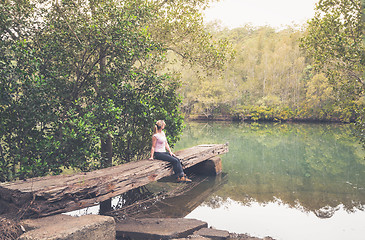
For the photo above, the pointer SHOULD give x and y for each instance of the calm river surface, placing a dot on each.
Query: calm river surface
(287, 181)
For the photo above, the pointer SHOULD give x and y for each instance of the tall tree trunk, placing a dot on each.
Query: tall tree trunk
(106, 144)
(107, 154)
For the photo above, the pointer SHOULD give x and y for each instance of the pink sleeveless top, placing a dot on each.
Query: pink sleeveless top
(160, 143)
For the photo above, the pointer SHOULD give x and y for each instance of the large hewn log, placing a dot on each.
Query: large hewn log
(57, 194)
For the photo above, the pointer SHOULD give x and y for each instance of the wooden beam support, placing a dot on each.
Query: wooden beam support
(210, 167)
(63, 193)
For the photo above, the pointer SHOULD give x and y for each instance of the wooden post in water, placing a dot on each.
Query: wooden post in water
(210, 167)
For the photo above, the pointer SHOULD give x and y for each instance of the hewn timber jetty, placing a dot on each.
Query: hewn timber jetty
(49, 195)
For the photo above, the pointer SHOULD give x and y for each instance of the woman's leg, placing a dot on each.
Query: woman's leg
(176, 165)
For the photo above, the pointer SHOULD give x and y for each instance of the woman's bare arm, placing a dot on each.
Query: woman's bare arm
(153, 147)
(168, 149)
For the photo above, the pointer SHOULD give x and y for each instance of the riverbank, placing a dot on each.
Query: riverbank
(96, 227)
(251, 118)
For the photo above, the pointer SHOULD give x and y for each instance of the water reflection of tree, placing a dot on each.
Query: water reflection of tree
(166, 198)
(314, 167)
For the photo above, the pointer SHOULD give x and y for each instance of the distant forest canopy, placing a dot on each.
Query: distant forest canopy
(271, 78)
(310, 72)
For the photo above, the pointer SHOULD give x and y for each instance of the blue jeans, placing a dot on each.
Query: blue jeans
(176, 165)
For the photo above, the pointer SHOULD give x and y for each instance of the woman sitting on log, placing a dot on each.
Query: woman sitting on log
(158, 151)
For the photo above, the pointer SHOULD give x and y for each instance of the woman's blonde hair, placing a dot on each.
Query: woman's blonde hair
(159, 125)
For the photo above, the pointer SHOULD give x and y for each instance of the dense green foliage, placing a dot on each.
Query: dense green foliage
(335, 42)
(78, 76)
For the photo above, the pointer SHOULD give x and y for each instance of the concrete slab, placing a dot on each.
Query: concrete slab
(156, 228)
(64, 227)
(212, 233)
(192, 238)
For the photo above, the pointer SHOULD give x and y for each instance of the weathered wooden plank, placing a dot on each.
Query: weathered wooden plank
(57, 194)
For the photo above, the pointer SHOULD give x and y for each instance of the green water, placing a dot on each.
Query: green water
(285, 180)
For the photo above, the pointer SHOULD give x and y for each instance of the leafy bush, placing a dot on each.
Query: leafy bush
(65, 90)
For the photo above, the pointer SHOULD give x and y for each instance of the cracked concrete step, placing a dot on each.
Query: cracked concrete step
(64, 227)
(156, 228)
(212, 233)
(192, 238)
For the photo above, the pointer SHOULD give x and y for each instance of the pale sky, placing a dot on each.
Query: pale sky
(276, 13)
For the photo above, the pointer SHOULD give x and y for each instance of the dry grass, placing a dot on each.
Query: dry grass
(9, 229)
